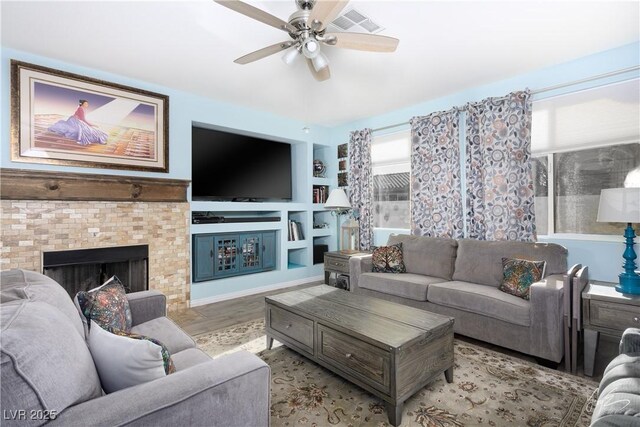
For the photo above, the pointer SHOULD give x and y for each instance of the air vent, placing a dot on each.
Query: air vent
(355, 16)
(343, 23)
(355, 21)
(370, 26)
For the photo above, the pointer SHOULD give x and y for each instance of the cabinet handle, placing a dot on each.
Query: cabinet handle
(211, 253)
(348, 355)
(635, 319)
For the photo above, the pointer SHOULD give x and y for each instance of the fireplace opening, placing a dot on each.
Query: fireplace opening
(83, 269)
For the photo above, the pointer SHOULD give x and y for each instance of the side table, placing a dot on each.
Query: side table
(338, 262)
(606, 311)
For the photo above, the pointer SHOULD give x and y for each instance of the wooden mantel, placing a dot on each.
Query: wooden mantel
(18, 184)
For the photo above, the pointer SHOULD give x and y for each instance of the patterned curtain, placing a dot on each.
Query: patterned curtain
(436, 195)
(361, 184)
(499, 177)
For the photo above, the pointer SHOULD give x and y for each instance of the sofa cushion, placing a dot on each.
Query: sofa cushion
(621, 397)
(519, 274)
(168, 333)
(430, 256)
(480, 261)
(408, 285)
(107, 305)
(19, 284)
(623, 366)
(481, 299)
(125, 360)
(45, 362)
(188, 358)
(388, 259)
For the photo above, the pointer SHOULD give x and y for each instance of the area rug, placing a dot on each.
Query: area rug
(489, 388)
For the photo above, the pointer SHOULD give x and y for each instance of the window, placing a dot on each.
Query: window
(582, 143)
(391, 166)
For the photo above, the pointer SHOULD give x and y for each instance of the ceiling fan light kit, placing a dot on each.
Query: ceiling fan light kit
(307, 27)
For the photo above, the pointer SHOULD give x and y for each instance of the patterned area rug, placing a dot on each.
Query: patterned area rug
(489, 388)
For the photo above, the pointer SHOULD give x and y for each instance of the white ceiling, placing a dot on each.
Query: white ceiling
(445, 47)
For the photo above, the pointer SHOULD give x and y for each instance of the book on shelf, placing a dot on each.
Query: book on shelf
(295, 231)
(320, 194)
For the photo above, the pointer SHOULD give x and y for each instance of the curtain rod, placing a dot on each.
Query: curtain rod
(544, 89)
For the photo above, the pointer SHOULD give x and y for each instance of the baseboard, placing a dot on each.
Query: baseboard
(253, 291)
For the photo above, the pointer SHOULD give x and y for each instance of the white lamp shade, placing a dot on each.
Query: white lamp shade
(337, 200)
(619, 205)
(290, 56)
(320, 62)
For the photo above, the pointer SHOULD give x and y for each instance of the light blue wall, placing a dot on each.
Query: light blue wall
(185, 108)
(604, 258)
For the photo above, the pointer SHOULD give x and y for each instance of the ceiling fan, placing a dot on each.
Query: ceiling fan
(307, 29)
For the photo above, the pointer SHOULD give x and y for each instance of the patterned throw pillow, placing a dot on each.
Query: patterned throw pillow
(107, 305)
(388, 259)
(519, 274)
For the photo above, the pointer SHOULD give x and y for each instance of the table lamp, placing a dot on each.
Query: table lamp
(338, 203)
(623, 205)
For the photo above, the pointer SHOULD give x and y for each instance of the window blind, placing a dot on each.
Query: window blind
(591, 118)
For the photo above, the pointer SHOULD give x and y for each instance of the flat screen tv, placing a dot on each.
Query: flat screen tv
(232, 167)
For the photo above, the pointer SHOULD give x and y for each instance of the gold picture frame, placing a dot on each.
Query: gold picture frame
(62, 118)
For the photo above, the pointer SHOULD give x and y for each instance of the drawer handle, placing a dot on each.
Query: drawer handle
(348, 355)
(635, 319)
(288, 326)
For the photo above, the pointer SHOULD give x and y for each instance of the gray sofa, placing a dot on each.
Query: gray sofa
(460, 278)
(619, 391)
(46, 367)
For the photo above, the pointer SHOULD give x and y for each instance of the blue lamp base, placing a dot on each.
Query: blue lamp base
(629, 280)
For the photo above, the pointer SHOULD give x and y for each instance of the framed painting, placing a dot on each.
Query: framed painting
(343, 150)
(67, 119)
(342, 179)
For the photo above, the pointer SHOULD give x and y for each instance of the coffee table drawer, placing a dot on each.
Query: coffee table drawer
(614, 316)
(360, 359)
(291, 325)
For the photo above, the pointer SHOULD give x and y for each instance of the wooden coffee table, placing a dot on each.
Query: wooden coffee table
(388, 349)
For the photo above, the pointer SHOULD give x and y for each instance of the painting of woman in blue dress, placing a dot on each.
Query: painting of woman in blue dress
(79, 129)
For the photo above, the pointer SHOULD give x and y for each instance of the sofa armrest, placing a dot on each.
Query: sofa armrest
(233, 390)
(630, 341)
(147, 305)
(357, 266)
(547, 312)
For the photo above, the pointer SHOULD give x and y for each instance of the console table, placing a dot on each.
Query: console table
(606, 311)
(338, 262)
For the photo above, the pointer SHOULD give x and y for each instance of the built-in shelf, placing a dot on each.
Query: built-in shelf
(320, 181)
(320, 232)
(297, 257)
(292, 265)
(297, 244)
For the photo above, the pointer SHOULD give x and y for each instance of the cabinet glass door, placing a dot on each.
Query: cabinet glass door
(251, 252)
(226, 257)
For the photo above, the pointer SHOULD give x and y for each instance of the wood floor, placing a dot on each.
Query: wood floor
(220, 315)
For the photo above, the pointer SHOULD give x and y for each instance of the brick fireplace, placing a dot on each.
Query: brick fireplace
(32, 227)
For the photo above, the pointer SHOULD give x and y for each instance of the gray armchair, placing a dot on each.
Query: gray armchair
(619, 391)
(48, 375)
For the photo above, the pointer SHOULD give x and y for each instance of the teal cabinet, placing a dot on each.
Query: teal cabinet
(269, 250)
(202, 257)
(216, 256)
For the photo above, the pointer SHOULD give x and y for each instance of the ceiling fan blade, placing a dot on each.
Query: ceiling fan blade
(322, 75)
(264, 52)
(257, 14)
(359, 41)
(325, 11)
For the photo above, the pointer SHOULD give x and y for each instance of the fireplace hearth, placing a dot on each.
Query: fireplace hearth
(83, 269)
